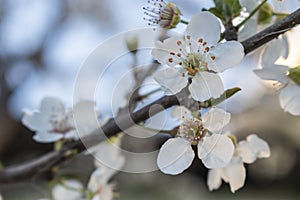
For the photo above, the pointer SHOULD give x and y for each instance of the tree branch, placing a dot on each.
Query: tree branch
(30, 168)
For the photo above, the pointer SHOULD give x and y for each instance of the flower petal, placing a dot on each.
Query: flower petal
(52, 107)
(85, 117)
(44, 137)
(253, 148)
(206, 26)
(235, 174)
(223, 53)
(175, 156)
(215, 151)
(162, 50)
(36, 121)
(214, 179)
(215, 119)
(206, 85)
(277, 73)
(170, 80)
(262, 147)
(289, 99)
(269, 56)
(181, 113)
(70, 190)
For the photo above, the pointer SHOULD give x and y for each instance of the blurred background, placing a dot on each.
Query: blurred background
(42, 46)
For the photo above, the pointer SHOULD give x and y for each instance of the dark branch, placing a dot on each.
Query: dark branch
(272, 32)
(114, 126)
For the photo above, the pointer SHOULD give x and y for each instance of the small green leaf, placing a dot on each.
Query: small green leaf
(226, 95)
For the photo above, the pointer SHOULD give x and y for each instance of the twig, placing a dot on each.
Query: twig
(28, 169)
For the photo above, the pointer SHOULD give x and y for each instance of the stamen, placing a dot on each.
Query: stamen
(213, 57)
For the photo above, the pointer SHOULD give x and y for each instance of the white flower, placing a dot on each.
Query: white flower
(1, 197)
(108, 155)
(165, 15)
(289, 97)
(235, 173)
(98, 185)
(215, 150)
(197, 58)
(69, 189)
(53, 122)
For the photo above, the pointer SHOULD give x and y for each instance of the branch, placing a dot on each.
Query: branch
(44, 163)
(272, 32)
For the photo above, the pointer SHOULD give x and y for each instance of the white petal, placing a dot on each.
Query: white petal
(170, 80)
(162, 50)
(262, 147)
(246, 152)
(36, 121)
(253, 148)
(85, 117)
(69, 191)
(52, 106)
(108, 155)
(214, 179)
(277, 73)
(97, 179)
(215, 151)
(206, 85)
(175, 156)
(289, 99)
(269, 56)
(181, 113)
(227, 55)
(215, 119)
(47, 137)
(206, 26)
(235, 174)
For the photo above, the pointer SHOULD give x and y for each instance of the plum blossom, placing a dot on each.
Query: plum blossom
(162, 14)
(234, 173)
(215, 150)
(54, 122)
(108, 161)
(99, 186)
(68, 189)
(289, 82)
(196, 59)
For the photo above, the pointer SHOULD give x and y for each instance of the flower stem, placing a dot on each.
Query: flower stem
(251, 14)
(280, 14)
(184, 22)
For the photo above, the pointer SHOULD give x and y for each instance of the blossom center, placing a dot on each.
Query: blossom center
(192, 130)
(192, 55)
(60, 124)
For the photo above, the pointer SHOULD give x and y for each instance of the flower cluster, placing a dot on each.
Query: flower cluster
(214, 149)
(196, 59)
(108, 161)
(234, 173)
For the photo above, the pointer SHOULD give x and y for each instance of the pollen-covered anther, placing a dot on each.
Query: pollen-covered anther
(204, 43)
(213, 57)
(188, 37)
(170, 60)
(207, 49)
(179, 42)
(200, 40)
(172, 53)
